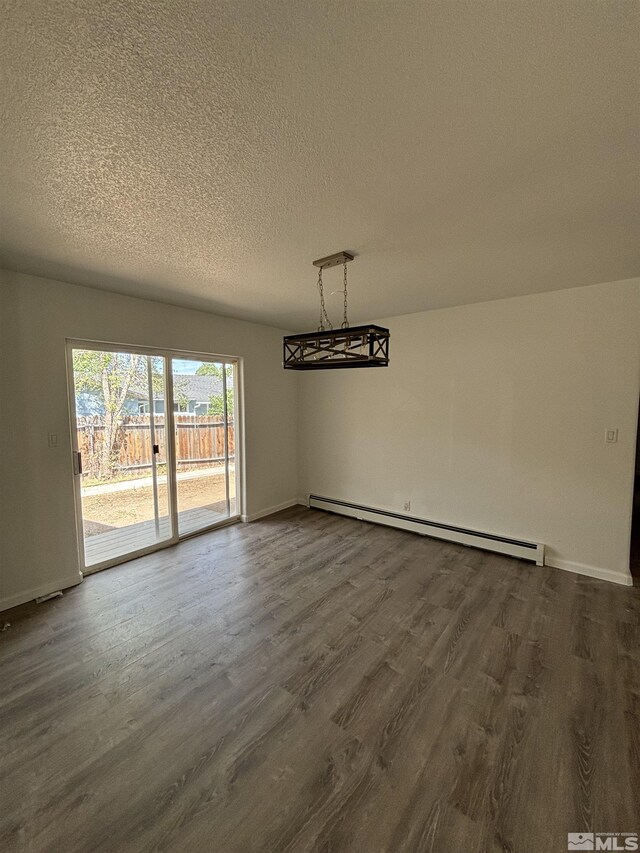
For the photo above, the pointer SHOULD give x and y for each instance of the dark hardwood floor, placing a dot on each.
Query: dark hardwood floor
(311, 682)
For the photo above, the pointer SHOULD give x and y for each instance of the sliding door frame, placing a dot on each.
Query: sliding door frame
(170, 442)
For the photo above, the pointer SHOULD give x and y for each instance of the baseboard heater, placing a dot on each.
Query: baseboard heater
(488, 541)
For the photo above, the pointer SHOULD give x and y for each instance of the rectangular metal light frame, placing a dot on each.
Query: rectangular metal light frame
(356, 346)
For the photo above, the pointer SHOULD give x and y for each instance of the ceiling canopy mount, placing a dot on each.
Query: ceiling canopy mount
(333, 260)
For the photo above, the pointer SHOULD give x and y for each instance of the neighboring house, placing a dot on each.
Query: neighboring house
(191, 393)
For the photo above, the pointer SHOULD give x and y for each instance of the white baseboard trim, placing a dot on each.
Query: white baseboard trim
(45, 589)
(610, 575)
(488, 541)
(269, 511)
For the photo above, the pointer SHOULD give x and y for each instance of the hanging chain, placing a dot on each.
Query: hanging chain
(345, 322)
(323, 310)
(325, 323)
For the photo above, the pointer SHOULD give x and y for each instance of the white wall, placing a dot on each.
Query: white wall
(492, 416)
(37, 534)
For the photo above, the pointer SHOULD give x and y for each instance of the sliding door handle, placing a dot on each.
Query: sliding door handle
(77, 462)
(156, 448)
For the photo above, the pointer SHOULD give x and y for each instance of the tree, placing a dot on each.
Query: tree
(211, 369)
(216, 406)
(112, 376)
(180, 395)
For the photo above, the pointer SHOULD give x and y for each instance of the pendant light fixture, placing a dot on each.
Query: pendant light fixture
(348, 346)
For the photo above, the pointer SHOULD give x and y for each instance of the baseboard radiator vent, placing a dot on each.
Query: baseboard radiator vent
(488, 541)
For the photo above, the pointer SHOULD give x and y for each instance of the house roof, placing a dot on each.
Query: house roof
(198, 388)
(191, 386)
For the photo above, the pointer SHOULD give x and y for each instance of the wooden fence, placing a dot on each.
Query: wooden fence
(199, 441)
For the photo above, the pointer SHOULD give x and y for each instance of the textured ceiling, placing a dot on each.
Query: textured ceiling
(204, 153)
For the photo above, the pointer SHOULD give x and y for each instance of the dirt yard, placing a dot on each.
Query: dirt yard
(119, 509)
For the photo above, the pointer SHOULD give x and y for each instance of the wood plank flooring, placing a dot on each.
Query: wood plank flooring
(314, 683)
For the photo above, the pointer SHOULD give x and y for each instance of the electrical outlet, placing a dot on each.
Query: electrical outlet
(407, 506)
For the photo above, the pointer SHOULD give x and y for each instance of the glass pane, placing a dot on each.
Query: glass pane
(200, 443)
(125, 502)
(158, 438)
(231, 422)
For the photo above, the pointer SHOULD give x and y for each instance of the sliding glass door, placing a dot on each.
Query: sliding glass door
(154, 439)
(203, 409)
(120, 453)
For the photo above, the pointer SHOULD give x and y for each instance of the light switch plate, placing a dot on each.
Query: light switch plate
(611, 436)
